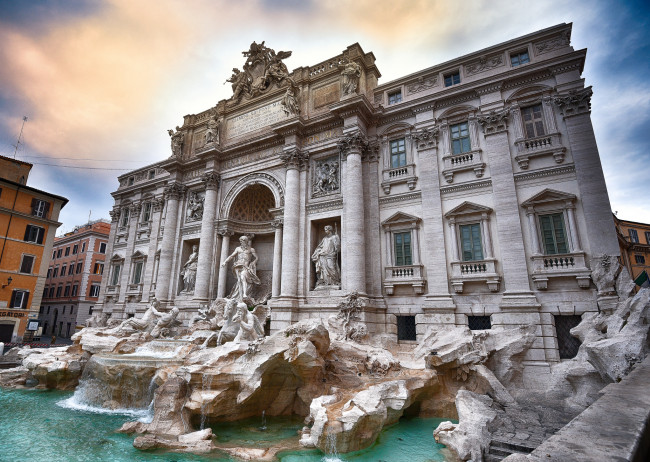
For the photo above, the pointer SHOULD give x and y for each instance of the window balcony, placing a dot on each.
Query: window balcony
(472, 160)
(571, 265)
(408, 275)
(397, 175)
(474, 271)
(547, 145)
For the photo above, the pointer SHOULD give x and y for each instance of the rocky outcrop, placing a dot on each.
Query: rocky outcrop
(58, 368)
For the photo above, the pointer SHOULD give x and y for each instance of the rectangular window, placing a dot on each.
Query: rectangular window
(137, 272)
(34, 234)
(27, 264)
(49, 273)
(460, 142)
(66, 291)
(640, 259)
(45, 292)
(58, 291)
(567, 343)
(479, 322)
(58, 253)
(125, 218)
(519, 58)
(470, 239)
(115, 280)
(395, 97)
(152, 173)
(634, 236)
(67, 251)
(403, 249)
(40, 208)
(79, 267)
(56, 272)
(19, 298)
(406, 328)
(131, 180)
(75, 249)
(146, 212)
(75, 290)
(51, 294)
(71, 269)
(647, 237)
(94, 290)
(533, 121)
(83, 247)
(553, 234)
(452, 79)
(99, 268)
(397, 153)
(63, 267)
(102, 247)
(53, 254)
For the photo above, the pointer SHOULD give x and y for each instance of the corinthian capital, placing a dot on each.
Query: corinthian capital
(494, 122)
(174, 190)
(352, 143)
(294, 158)
(427, 137)
(575, 102)
(211, 180)
(114, 214)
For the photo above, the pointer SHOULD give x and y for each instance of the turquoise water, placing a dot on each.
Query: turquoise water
(43, 425)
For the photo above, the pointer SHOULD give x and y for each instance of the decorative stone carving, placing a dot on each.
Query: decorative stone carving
(352, 142)
(290, 102)
(244, 267)
(195, 207)
(494, 122)
(166, 323)
(114, 213)
(603, 273)
(350, 74)
(350, 310)
(188, 273)
(277, 223)
(575, 102)
(427, 137)
(178, 138)
(423, 83)
(294, 158)
(262, 69)
(144, 324)
(484, 64)
(235, 321)
(326, 178)
(157, 204)
(175, 190)
(97, 320)
(554, 43)
(212, 180)
(214, 127)
(326, 258)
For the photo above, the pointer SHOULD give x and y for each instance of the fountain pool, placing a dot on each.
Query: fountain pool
(42, 425)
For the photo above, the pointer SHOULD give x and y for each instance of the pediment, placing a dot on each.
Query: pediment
(397, 128)
(468, 208)
(533, 90)
(138, 254)
(400, 218)
(117, 257)
(547, 196)
(457, 110)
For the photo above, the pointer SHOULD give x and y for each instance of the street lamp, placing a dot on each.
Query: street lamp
(8, 282)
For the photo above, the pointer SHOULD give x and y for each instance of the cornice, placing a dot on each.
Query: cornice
(543, 173)
(466, 186)
(400, 198)
(324, 206)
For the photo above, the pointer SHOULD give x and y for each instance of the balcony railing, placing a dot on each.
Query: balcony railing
(474, 271)
(404, 275)
(396, 175)
(547, 145)
(472, 160)
(563, 265)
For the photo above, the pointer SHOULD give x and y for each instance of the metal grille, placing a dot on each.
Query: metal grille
(567, 343)
(406, 328)
(479, 322)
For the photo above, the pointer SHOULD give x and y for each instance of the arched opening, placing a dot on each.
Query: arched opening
(253, 205)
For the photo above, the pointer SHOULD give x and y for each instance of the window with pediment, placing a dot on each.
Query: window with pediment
(402, 253)
(460, 143)
(398, 158)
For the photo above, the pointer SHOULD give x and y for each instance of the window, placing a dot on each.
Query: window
(115, 280)
(58, 253)
(56, 272)
(51, 294)
(634, 236)
(64, 307)
(397, 153)
(49, 273)
(567, 343)
(75, 249)
(125, 218)
(395, 97)
(48, 312)
(470, 238)
(71, 309)
(90, 310)
(71, 269)
(67, 251)
(647, 237)
(406, 328)
(41, 310)
(63, 270)
(34, 234)
(131, 180)
(518, 58)
(403, 249)
(75, 290)
(553, 234)
(146, 212)
(94, 290)
(479, 322)
(45, 292)
(66, 291)
(152, 173)
(137, 272)
(58, 291)
(99, 268)
(40, 208)
(19, 298)
(79, 267)
(452, 79)
(53, 254)
(460, 142)
(27, 264)
(533, 121)
(640, 259)
(102, 247)
(83, 247)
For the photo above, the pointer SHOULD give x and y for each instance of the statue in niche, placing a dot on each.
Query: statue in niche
(212, 133)
(290, 102)
(326, 259)
(327, 177)
(351, 73)
(245, 269)
(195, 207)
(189, 270)
(177, 141)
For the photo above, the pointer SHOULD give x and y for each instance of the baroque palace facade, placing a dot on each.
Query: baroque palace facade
(470, 192)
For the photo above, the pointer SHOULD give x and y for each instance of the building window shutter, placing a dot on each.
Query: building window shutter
(40, 232)
(13, 299)
(34, 205)
(46, 210)
(23, 305)
(27, 231)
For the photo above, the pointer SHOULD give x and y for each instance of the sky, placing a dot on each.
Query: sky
(101, 81)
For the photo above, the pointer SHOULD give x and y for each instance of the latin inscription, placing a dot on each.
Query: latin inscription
(322, 136)
(255, 119)
(237, 161)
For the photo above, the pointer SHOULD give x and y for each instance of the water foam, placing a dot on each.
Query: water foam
(143, 415)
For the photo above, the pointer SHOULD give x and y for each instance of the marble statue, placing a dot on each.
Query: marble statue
(290, 102)
(195, 207)
(144, 324)
(212, 133)
(189, 270)
(351, 73)
(244, 267)
(326, 259)
(237, 323)
(166, 322)
(240, 83)
(177, 141)
(250, 327)
(97, 320)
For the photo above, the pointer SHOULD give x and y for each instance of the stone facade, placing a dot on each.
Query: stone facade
(470, 188)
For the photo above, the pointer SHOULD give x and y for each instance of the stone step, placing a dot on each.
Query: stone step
(523, 447)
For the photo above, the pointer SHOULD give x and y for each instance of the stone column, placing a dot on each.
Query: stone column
(454, 240)
(293, 159)
(573, 231)
(277, 258)
(173, 193)
(487, 239)
(373, 230)
(532, 227)
(223, 271)
(134, 216)
(101, 305)
(354, 278)
(206, 242)
(150, 271)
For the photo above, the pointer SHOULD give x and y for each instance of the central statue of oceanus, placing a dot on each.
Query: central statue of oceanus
(245, 269)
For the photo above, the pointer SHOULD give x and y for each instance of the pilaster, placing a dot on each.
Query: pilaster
(206, 242)
(173, 193)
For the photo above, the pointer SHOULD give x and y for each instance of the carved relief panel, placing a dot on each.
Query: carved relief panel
(326, 176)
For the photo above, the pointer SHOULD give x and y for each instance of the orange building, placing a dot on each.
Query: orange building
(28, 223)
(634, 240)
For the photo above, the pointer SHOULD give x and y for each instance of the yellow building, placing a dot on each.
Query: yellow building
(634, 240)
(28, 223)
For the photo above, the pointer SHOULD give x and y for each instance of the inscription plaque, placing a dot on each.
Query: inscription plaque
(255, 119)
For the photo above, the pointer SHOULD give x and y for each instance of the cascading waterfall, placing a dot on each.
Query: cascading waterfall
(206, 385)
(263, 427)
(331, 454)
